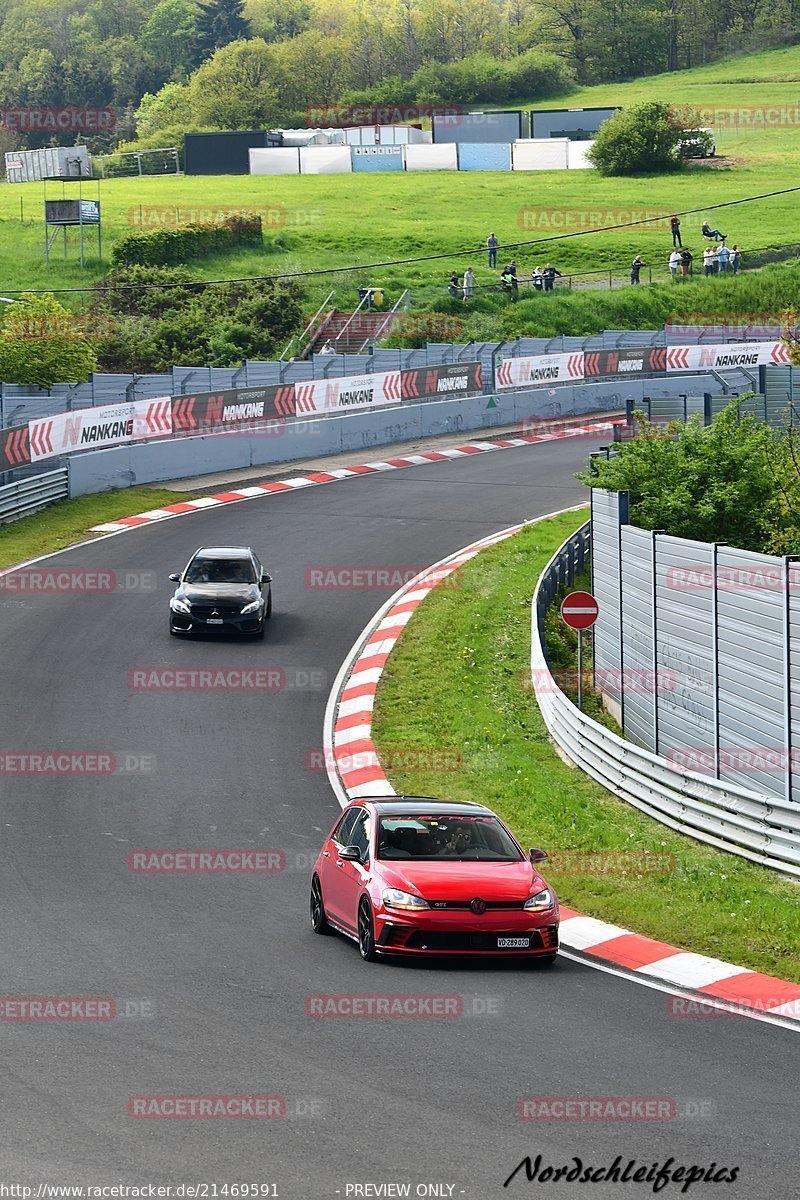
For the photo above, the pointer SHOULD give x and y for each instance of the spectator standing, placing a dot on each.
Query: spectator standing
(675, 226)
(537, 278)
(327, 349)
(675, 260)
(549, 275)
(512, 270)
(469, 283)
(636, 267)
(454, 286)
(724, 257)
(686, 262)
(708, 232)
(708, 261)
(491, 245)
(736, 258)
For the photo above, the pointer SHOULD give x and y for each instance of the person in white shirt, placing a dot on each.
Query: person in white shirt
(675, 260)
(709, 262)
(468, 284)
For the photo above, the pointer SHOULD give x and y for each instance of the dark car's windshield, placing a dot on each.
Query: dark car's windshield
(220, 570)
(450, 836)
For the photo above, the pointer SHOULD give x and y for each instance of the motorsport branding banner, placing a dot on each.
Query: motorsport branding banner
(726, 358)
(641, 360)
(539, 368)
(93, 428)
(347, 392)
(232, 407)
(447, 379)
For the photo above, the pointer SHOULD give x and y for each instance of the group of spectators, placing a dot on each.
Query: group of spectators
(717, 257)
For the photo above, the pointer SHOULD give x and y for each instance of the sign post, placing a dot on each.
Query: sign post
(579, 611)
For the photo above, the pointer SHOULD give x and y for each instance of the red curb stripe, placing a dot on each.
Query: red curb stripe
(361, 689)
(181, 508)
(352, 779)
(351, 721)
(752, 987)
(631, 950)
(350, 749)
(227, 497)
(321, 477)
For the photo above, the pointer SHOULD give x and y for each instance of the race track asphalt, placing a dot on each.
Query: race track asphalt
(214, 970)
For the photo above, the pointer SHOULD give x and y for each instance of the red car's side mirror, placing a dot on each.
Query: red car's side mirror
(538, 856)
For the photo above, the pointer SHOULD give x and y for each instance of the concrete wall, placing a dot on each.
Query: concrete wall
(176, 458)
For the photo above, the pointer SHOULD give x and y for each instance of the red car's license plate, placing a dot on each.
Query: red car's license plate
(514, 943)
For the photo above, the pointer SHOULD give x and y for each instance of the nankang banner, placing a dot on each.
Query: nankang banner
(93, 428)
(726, 358)
(347, 392)
(539, 368)
(233, 407)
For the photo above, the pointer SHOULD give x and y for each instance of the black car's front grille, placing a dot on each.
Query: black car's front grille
(204, 611)
(456, 940)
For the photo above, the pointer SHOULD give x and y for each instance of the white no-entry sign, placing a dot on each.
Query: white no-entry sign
(579, 610)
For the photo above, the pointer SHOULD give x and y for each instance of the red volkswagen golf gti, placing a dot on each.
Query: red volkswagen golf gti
(426, 877)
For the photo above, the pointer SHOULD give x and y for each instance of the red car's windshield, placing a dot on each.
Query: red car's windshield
(449, 836)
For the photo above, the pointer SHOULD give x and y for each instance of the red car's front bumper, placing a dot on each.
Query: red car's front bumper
(443, 933)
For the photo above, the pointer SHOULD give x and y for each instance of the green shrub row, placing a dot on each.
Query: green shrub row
(169, 247)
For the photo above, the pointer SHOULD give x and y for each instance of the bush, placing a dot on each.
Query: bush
(162, 316)
(638, 140)
(169, 247)
(735, 481)
(41, 343)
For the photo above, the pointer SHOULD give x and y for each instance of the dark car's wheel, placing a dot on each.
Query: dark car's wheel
(366, 931)
(319, 922)
(268, 609)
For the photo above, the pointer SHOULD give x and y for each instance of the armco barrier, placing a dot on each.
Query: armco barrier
(159, 416)
(164, 416)
(229, 449)
(29, 495)
(761, 828)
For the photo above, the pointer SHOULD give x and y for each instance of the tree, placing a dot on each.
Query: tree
(728, 482)
(42, 343)
(641, 139)
(172, 35)
(235, 89)
(221, 22)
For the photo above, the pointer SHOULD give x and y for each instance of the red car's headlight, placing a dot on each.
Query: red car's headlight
(394, 898)
(540, 902)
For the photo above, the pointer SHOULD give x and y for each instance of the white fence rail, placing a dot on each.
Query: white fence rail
(29, 495)
(761, 828)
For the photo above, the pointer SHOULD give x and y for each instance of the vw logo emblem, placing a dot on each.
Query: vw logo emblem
(477, 905)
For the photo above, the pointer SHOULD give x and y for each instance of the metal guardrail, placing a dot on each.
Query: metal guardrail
(760, 828)
(29, 495)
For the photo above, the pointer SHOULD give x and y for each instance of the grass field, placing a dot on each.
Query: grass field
(316, 222)
(454, 684)
(71, 520)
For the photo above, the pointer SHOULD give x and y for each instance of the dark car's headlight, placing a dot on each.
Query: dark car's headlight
(181, 606)
(394, 898)
(540, 902)
(252, 607)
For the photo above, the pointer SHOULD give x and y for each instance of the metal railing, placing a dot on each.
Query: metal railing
(29, 495)
(763, 829)
(297, 340)
(402, 303)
